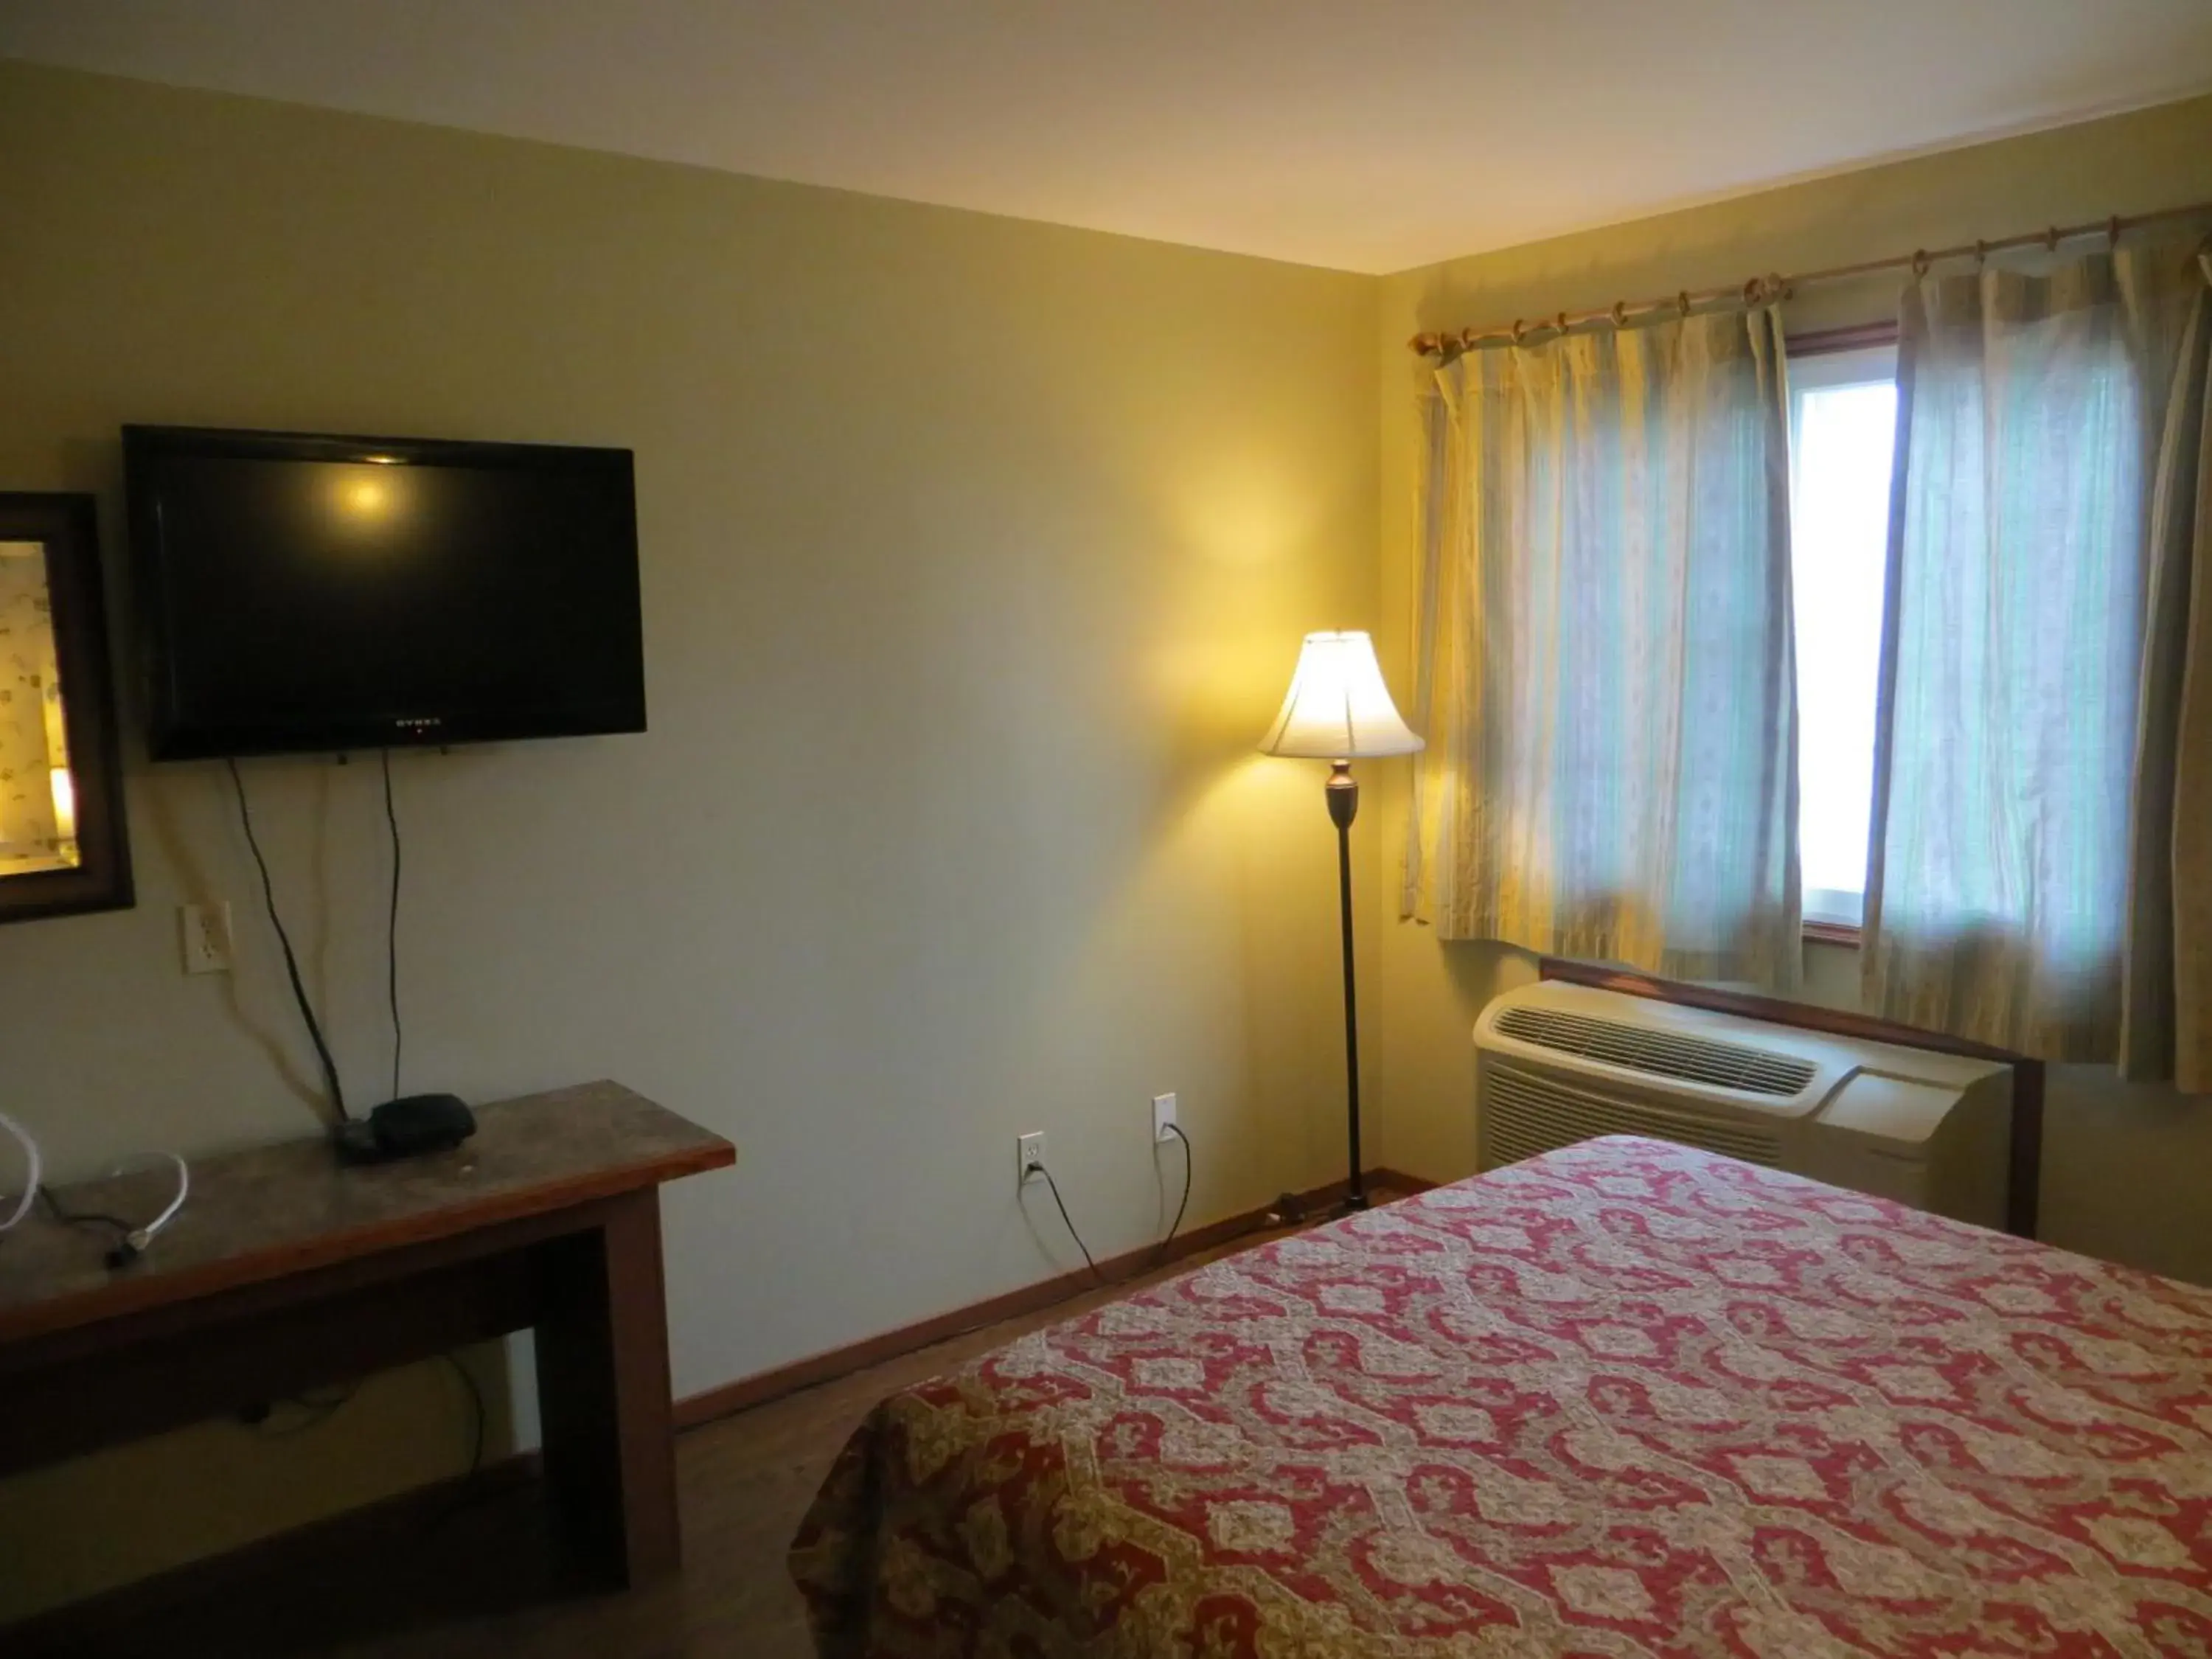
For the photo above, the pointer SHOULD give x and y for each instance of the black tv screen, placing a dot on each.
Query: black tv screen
(326, 593)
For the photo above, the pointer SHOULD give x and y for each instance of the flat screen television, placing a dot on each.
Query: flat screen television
(301, 593)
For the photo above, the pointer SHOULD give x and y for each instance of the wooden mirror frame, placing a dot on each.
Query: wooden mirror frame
(67, 528)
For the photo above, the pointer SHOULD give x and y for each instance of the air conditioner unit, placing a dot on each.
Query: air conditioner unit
(1556, 1063)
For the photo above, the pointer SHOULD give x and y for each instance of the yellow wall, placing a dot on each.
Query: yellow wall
(2123, 1167)
(976, 556)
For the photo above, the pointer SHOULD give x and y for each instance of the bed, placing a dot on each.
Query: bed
(1624, 1399)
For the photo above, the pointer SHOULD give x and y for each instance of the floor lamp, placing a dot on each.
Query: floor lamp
(1340, 711)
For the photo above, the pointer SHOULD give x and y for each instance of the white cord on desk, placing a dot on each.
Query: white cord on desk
(139, 1237)
(32, 1169)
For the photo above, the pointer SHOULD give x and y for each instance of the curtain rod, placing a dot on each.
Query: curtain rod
(1761, 290)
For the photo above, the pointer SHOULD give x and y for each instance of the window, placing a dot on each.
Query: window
(1843, 434)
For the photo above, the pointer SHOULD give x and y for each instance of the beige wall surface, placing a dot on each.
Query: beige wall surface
(975, 556)
(2123, 1167)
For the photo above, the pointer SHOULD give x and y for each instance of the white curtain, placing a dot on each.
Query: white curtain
(2039, 862)
(1603, 651)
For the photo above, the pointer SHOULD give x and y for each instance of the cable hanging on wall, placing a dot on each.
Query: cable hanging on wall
(284, 943)
(1160, 1250)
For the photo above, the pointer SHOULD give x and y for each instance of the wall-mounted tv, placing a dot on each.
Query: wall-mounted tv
(301, 593)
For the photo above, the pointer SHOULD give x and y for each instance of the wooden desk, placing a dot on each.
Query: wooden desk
(286, 1271)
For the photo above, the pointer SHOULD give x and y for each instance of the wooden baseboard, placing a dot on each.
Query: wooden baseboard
(1398, 1181)
(759, 1390)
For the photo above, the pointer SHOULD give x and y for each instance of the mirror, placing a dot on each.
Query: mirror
(63, 847)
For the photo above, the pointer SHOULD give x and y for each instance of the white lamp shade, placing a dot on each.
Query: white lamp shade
(1338, 707)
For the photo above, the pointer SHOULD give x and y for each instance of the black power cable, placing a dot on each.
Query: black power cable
(1159, 1251)
(392, 930)
(476, 1409)
(85, 1217)
(284, 941)
(1272, 1222)
(1061, 1205)
(1159, 1254)
(468, 1495)
(313, 1411)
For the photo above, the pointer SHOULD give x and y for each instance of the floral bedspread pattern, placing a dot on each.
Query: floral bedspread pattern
(1625, 1399)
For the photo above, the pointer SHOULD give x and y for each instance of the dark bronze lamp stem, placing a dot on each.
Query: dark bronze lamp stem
(1343, 807)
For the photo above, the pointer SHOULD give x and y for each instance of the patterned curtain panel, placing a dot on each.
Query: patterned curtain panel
(1603, 652)
(2041, 745)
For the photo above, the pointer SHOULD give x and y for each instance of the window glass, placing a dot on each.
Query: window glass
(1843, 427)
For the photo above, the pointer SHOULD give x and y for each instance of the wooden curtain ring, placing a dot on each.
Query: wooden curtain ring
(1520, 330)
(1561, 323)
(1620, 313)
(1682, 301)
(1920, 262)
(2112, 232)
(2051, 239)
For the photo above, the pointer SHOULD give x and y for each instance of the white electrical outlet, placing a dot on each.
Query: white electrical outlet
(203, 937)
(1029, 1153)
(1163, 1117)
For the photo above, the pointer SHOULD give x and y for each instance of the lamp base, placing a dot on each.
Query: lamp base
(1350, 1204)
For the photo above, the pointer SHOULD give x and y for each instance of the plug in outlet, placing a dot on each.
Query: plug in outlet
(1029, 1152)
(203, 937)
(1163, 1117)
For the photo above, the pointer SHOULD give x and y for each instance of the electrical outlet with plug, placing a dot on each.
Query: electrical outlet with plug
(1163, 1117)
(1029, 1153)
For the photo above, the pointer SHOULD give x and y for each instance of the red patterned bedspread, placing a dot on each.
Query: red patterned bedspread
(1625, 1399)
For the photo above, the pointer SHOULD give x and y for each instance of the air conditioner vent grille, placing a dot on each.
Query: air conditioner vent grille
(1523, 1113)
(1659, 1053)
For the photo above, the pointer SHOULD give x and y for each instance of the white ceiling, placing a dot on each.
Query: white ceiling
(1370, 134)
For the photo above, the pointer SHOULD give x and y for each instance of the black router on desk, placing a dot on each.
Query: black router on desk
(411, 1126)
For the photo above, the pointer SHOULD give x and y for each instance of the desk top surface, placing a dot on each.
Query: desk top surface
(266, 1211)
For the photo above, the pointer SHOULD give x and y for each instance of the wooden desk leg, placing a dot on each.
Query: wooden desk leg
(603, 1395)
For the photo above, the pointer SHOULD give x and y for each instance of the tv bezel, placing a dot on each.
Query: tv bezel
(169, 737)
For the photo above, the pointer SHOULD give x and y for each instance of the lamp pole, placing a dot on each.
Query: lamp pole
(1344, 806)
(1339, 710)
